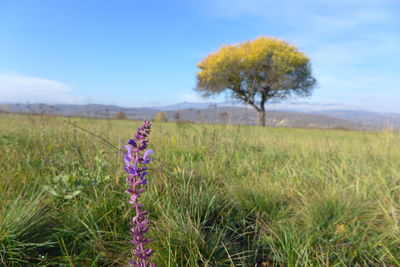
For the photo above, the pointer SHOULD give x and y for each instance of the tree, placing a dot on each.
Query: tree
(177, 116)
(120, 115)
(161, 117)
(256, 72)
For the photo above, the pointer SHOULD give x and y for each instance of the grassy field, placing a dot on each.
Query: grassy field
(218, 195)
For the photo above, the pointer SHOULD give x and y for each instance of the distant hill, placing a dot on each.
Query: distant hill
(238, 115)
(186, 105)
(90, 110)
(370, 119)
(224, 113)
(365, 117)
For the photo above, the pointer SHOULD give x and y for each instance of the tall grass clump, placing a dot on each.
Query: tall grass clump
(24, 228)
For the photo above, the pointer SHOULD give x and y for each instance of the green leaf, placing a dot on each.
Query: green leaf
(50, 190)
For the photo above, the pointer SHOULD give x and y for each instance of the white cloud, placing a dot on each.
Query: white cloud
(17, 88)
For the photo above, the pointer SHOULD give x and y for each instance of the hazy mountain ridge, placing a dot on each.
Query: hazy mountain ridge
(365, 117)
(225, 112)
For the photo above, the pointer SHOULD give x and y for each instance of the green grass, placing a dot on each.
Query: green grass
(218, 195)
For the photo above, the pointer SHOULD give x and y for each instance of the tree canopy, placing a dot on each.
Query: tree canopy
(256, 72)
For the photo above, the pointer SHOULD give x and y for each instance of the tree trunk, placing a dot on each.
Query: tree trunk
(261, 117)
(261, 110)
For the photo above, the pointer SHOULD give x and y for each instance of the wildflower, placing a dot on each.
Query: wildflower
(134, 158)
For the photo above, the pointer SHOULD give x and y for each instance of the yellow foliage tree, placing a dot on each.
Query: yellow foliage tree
(161, 117)
(256, 72)
(121, 116)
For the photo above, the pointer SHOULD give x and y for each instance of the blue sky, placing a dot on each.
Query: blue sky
(144, 53)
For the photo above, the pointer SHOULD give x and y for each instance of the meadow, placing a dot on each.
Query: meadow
(218, 195)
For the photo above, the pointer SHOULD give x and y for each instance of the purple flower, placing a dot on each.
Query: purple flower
(134, 158)
(132, 142)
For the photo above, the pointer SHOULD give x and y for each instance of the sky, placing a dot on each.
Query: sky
(144, 53)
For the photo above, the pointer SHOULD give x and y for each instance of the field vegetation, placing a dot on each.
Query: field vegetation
(218, 195)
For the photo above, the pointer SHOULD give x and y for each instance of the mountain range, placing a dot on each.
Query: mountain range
(225, 112)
